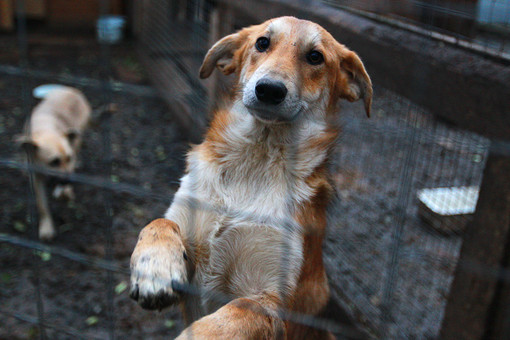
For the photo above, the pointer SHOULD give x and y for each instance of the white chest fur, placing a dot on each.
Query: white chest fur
(240, 211)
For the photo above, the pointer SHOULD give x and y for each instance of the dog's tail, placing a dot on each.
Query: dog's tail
(42, 91)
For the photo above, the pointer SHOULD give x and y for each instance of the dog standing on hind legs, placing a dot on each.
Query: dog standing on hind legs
(248, 220)
(53, 140)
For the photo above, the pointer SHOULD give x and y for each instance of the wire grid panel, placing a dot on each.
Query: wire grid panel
(173, 39)
(481, 25)
(412, 148)
(66, 290)
(71, 274)
(94, 311)
(379, 167)
(47, 326)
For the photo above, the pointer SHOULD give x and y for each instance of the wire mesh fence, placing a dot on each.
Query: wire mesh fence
(391, 250)
(395, 252)
(479, 25)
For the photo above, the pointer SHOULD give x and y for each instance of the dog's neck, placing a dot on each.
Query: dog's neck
(236, 128)
(237, 140)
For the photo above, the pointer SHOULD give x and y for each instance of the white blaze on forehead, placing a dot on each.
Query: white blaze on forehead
(313, 37)
(280, 25)
(310, 36)
(304, 32)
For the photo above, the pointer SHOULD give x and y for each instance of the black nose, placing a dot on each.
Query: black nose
(270, 92)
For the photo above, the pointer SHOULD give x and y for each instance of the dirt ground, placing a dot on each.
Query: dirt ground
(147, 151)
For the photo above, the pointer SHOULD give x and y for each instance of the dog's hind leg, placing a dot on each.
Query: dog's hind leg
(46, 227)
(159, 265)
(243, 318)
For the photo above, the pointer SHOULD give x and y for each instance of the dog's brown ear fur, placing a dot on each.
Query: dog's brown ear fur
(221, 56)
(354, 83)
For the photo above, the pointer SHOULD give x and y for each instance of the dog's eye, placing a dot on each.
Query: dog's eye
(262, 44)
(55, 162)
(314, 57)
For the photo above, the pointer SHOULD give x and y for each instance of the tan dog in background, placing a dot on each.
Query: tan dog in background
(53, 138)
(246, 226)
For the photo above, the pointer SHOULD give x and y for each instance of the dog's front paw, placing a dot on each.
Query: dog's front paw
(156, 277)
(64, 192)
(158, 265)
(46, 229)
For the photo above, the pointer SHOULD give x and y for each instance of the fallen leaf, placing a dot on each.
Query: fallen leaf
(92, 320)
(120, 287)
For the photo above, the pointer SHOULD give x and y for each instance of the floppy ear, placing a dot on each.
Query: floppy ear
(221, 56)
(355, 84)
(72, 135)
(26, 143)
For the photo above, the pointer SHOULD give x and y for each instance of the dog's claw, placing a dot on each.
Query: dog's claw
(155, 293)
(158, 301)
(178, 287)
(153, 287)
(134, 293)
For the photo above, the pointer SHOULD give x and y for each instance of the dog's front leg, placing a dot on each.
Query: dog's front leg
(46, 227)
(242, 318)
(158, 264)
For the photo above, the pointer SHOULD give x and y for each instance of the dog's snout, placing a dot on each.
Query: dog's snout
(270, 92)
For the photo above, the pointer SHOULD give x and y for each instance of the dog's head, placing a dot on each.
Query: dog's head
(52, 150)
(288, 67)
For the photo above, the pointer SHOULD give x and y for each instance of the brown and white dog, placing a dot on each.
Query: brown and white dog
(246, 226)
(53, 138)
